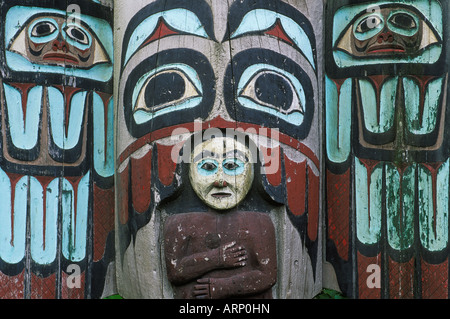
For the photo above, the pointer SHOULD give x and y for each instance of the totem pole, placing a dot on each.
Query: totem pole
(387, 161)
(56, 142)
(218, 149)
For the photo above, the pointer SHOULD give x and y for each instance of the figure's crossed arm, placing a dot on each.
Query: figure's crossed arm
(183, 268)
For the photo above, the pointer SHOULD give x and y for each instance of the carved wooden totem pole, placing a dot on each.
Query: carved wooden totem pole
(218, 144)
(387, 145)
(56, 159)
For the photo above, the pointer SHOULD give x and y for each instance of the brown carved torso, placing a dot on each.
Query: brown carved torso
(192, 233)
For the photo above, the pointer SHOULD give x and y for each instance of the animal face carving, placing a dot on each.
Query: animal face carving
(55, 40)
(390, 32)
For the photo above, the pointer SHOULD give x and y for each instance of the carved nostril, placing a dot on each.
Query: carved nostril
(55, 45)
(386, 37)
(60, 45)
(220, 184)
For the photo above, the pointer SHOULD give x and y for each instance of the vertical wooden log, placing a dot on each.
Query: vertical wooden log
(387, 147)
(56, 158)
(188, 70)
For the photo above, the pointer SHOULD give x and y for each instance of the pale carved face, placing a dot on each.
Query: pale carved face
(221, 172)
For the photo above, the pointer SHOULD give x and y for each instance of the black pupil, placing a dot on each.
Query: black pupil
(274, 90)
(43, 29)
(403, 21)
(77, 34)
(164, 88)
(230, 165)
(369, 23)
(209, 166)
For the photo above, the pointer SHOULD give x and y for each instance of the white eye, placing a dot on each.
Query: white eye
(77, 34)
(166, 88)
(368, 24)
(274, 90)
(43, 28)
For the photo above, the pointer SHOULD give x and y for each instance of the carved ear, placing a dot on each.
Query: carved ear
(100, 55)
(18, 44)
(345, 43)
(429, 37)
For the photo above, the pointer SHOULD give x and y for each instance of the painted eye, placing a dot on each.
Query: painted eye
(233, 166)
(77, 34)
(209, 166)
(42, 29)
(403, 21)
(230, 166)
(161, 90)
(273, 90)
(368, 24)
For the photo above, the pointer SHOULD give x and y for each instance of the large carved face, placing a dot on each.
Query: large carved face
(54, 40)
(384, 33)
(221, 172)
(387, 31)
(246, 65)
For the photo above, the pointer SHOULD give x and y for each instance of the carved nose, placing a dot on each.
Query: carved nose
(386, 37)
(60, 45)
(220, 184)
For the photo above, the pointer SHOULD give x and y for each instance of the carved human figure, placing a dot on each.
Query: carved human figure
(224, 252)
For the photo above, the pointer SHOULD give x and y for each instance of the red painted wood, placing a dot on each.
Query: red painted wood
(401, 279)
(363, 263)
(313, 204)
(122, 196)
(272, 157)
(43, 288)
(103, 219)
(141, 170)
(166, 165)
(434, 280)
(296, 186)
(338, 208)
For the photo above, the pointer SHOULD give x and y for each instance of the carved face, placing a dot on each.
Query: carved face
(388, 31)
(221, 172)
(54, 40)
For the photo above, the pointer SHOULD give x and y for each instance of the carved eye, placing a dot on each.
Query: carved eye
(404, 23)
(43, 28)
(207, 167)
(233, 166)
(169, 88)
(277, 90)
(368, 24)
(77, 34)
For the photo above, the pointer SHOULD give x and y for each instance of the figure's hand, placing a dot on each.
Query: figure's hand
(232, 256)
(203, 289)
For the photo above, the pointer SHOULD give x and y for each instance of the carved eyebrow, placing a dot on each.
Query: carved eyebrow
(163, 18)
(275, 18)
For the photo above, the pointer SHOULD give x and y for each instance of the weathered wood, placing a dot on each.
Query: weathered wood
(218, 67)
(57, 152)
(387, 147)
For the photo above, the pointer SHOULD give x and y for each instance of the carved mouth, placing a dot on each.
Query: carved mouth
(387, 49)
(221, 195)
(61, 58)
